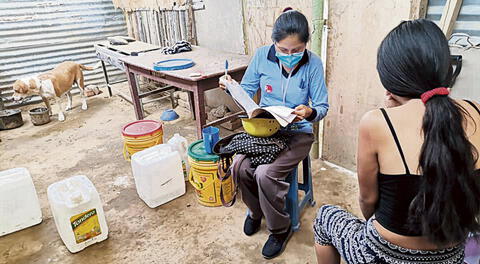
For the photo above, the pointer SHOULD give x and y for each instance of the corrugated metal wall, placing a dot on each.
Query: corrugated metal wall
(37, 35)
(468, 20)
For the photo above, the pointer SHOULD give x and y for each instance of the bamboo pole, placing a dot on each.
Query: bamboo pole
(318, 23)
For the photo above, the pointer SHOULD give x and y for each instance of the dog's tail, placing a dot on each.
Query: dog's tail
(96, 66)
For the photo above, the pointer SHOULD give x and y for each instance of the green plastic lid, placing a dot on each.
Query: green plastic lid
(196, 151)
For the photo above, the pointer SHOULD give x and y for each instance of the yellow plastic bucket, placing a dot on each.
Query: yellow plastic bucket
(140, 135)
(203, 176)
(260, 127)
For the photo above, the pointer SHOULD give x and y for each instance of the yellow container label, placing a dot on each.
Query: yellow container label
(85, 225)
(207, 185)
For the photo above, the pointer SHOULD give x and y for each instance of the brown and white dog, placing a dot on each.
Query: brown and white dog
(53, 85)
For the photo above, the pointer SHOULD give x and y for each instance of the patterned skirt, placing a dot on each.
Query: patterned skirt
(358, 241)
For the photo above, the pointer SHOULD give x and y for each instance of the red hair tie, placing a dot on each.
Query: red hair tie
(437, 91)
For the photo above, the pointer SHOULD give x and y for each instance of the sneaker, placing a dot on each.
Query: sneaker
(251, 226)
(276, 244)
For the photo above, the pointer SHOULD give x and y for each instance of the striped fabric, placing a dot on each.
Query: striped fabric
(358, 241)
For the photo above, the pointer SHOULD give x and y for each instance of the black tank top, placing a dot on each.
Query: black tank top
(396, 193)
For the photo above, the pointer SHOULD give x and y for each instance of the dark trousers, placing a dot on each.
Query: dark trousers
(264, 188)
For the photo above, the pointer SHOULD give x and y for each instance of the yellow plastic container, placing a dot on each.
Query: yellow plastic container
(140, 135)
(260, 127)
(203, 176)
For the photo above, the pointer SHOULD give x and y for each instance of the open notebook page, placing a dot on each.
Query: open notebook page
(242, 97)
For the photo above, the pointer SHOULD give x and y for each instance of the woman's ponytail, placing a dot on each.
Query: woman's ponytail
(448, 203)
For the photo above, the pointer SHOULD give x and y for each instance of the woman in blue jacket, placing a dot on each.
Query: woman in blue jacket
(287, 74)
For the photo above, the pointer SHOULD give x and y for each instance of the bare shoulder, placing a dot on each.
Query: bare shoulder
(371, 118)
(371, 122)
(467, 105)
(473, 113)
(472, 119)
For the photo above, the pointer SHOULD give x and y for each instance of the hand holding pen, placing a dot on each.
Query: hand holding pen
(224, 79)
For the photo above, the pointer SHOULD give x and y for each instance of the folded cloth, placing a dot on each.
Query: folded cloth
(180, 46)
(260, 150)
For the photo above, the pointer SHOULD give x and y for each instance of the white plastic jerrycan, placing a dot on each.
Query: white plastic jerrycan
(158, 174)
(78, 212)
(19, 206)
(180, 144)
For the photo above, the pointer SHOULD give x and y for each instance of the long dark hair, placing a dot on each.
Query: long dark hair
(412, 59)
(291, 22)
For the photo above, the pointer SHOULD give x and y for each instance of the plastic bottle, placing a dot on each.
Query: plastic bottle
(158, 174)
(78, 212)
(180, 144)
(19, 206)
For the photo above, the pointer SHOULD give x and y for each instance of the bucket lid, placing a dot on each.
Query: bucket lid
(173, 64)
(196, 151)
(9, 112)
(141, 128)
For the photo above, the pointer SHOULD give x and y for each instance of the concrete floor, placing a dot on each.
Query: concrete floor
(182, 231)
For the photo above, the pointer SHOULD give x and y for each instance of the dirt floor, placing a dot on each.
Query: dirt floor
(182, 231)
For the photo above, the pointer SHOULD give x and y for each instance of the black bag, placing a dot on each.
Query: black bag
(224, 168)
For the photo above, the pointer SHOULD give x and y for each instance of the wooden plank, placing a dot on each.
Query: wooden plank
(232, 124)
(156, 91)
(129, 23)
(133, 24)
(418, 9)
(191, 23)
(449, 16)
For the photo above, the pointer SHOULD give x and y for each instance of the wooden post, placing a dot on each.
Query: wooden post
(133, 25)
(129, 23)
(418, 9)
(191, 23)
(136, 100)
(200, 114)
(449, 16)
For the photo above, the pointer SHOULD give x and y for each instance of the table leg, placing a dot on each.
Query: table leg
(173, 99)
(200, 115)
(191, 101)
(137, 104)
(106, 78)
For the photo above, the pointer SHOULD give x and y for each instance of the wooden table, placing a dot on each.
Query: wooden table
(112, 54)
(210, 64)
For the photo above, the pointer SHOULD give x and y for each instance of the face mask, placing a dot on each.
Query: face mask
(289, 60)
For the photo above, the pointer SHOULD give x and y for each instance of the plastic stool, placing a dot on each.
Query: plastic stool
(294, 206)
(472, 250)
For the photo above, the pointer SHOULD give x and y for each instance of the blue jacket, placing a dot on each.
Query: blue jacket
(306, 85)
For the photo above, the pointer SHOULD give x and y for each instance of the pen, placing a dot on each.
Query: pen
(226, 68)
